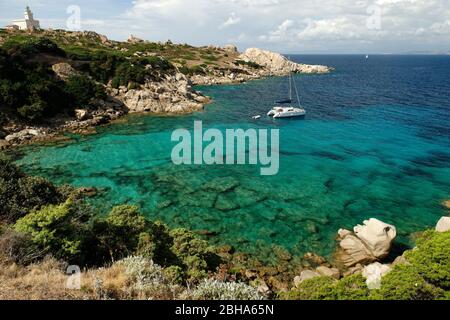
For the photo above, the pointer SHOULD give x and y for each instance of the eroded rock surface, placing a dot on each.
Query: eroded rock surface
(443, 224)
(277, 64)
(368, 243)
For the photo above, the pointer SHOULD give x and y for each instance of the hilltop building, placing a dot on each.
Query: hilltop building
(25, 24)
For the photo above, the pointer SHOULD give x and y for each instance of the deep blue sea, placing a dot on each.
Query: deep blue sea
(375, 143)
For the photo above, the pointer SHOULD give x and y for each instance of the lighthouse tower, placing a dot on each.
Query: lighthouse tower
(28, 23)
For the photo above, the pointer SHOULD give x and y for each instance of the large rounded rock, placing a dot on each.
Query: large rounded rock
(443, 224)
(368, 243)
(377, 236)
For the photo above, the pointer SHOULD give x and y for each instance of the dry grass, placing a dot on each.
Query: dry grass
(47, 281)
(43, 281)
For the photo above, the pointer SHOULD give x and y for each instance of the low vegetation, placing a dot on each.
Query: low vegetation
(29, 88)
(31, 92)
(424, 276)
(123, 255)
(40, 221)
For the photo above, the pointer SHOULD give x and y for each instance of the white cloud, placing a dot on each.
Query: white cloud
(294, 25)
(441, 28)
(231, 21)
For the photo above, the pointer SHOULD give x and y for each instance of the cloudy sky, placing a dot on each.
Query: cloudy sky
(289, 26)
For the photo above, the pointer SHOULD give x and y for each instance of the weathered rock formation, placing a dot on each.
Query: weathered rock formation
(305, 275)
(367, 243)
(277, 64)
(172, 95)
(329, 272)
(443, 224)
(230, 48)
(133, 39)
(25, 134)
(63, 70)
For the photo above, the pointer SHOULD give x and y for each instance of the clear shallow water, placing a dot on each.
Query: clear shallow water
(375, 143)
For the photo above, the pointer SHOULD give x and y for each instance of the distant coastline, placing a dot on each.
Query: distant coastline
(161, 85)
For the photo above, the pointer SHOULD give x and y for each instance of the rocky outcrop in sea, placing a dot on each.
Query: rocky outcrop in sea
(278, 65)
(257, 64)
(171, 94)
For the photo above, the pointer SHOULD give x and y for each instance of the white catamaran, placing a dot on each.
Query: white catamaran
(288, 111)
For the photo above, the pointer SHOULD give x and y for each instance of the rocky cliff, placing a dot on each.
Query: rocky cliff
(133, 76)
(277, 64)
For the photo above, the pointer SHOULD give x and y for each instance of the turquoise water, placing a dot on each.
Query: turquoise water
(375, 143)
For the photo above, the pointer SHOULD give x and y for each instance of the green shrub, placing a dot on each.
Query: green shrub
(8, 170)
(9, 93)
(32, 46)
(250, 64)
(121, 233)
(317, 288)
(33, 112)
(61, 230)
(403, 282)
(82, 89)
(195, 70)
(325, 288)
(431, 258)
(19, 194)
(196, 254)
(352, 287)
(174, 274)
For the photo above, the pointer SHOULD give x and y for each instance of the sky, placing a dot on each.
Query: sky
(288, 26)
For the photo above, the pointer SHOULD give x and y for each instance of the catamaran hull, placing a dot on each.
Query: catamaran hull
(289, 114)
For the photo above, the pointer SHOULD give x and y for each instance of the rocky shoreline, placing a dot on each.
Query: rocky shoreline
(174, 94)
(364, 251)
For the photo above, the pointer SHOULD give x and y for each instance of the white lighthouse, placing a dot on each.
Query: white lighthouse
(25, 24)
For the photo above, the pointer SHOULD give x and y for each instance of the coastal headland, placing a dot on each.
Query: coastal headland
(135, 76)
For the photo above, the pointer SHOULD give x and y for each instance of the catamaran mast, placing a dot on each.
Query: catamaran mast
(296, 93)
(290, 86)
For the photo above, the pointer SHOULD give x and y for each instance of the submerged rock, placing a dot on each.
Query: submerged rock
(222, 184)
(368, 243)
(225, 202)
